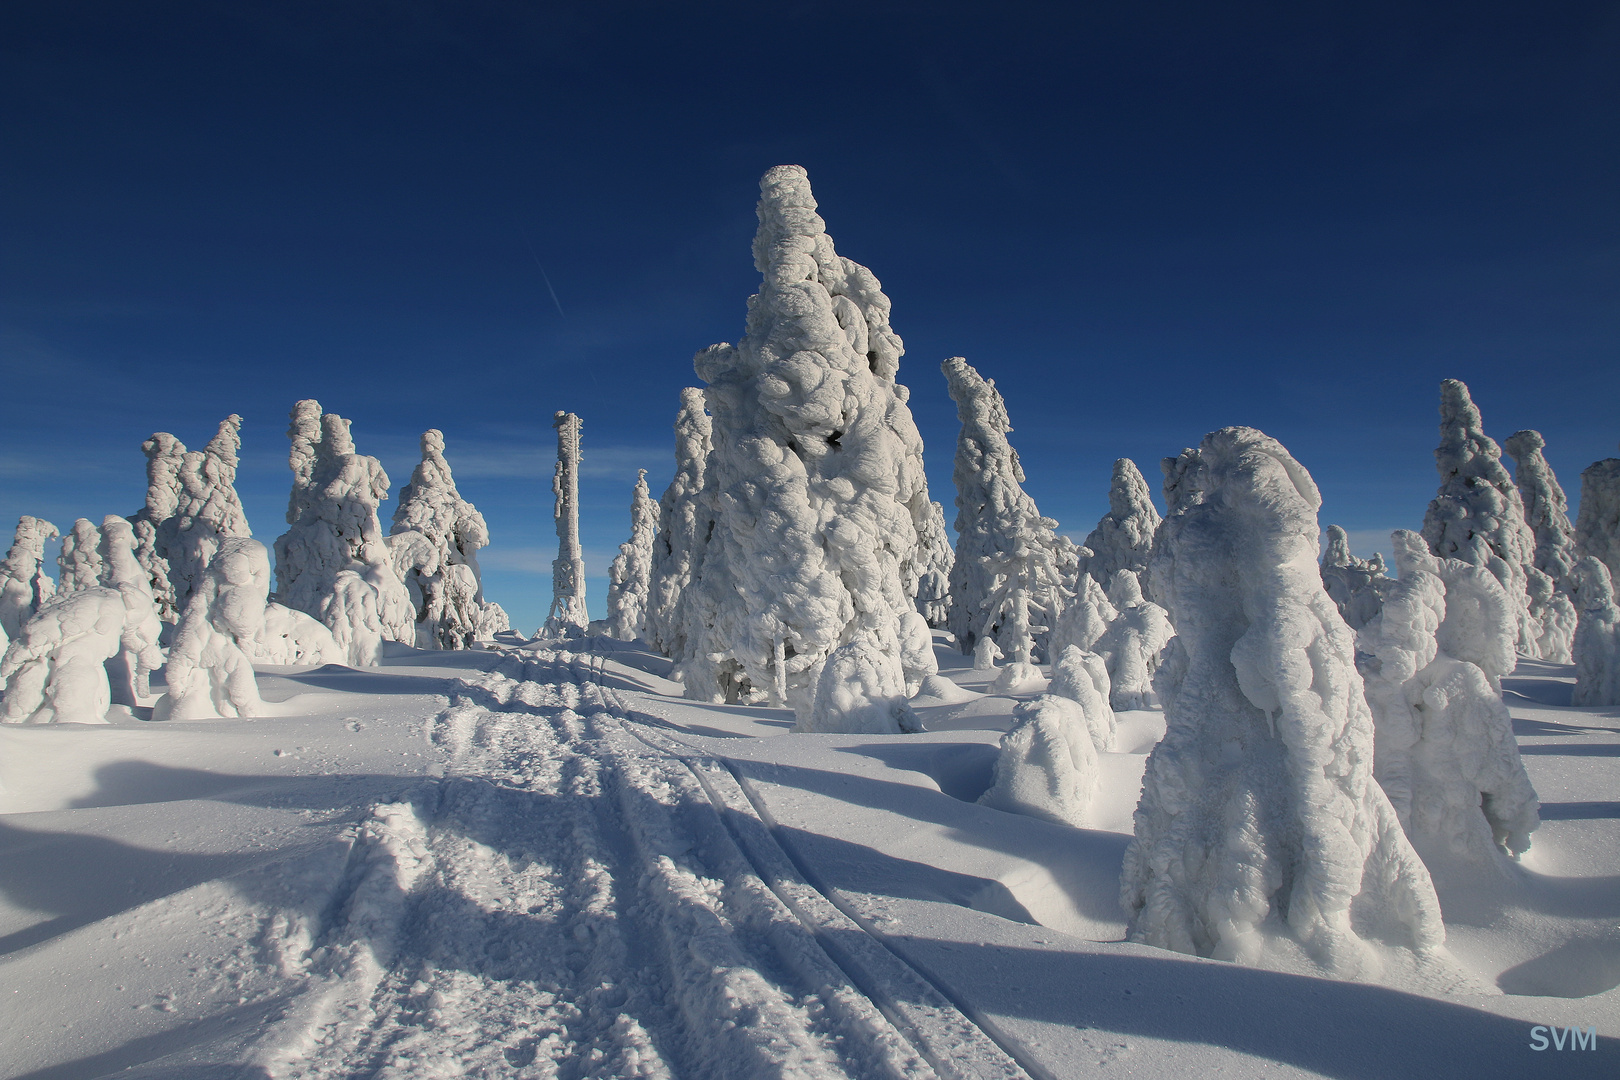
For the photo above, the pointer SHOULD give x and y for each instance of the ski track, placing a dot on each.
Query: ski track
(584, 895)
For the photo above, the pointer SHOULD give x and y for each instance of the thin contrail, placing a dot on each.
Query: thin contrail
(543, 275)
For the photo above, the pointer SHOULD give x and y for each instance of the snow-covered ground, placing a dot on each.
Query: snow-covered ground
(541, 861)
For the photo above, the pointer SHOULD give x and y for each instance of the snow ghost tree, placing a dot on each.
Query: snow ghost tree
(1006, 573)
(1047, 766)
(129, 671)
(435, 540)
(55, 670)
(1356, 585)
(1480, 623)
(80, 561)
(1477, 515)
(1123, 538)
(816, 473)
(24, 585)
(630, 576)
(1445, 751)
(1082, 677)
(1085, 619)
(1132, 644)
(861, 690)
(1546, 511)
(567, 616)
(333, 561)
(1260, 799)
(1597, 526)
(684, 521)
(932, 567)
(1597, 636)
(210, 670)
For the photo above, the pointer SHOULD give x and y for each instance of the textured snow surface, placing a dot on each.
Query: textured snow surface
(629, 578)
(1082, 677)
(1259, 805)
(816, 471)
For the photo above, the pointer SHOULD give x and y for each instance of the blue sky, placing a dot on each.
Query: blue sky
(1145, 221)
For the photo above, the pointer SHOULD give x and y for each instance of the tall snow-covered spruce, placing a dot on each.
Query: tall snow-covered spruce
(1123, 539)
(684, 521)
(1006, 583)
(1260, 803)
(1546, 511)
(1597, 526)
(817, 477)
(629, 578)
(568, 616)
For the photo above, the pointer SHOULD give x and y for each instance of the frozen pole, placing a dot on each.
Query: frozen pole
(567, 616)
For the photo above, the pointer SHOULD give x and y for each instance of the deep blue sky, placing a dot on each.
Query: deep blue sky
(1144, 220)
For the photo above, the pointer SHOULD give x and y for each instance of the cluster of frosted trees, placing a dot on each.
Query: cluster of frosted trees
(182, 585)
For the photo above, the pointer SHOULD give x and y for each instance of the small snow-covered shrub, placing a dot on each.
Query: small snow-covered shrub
(1597, 637)
(861, 691)
(1047, 767)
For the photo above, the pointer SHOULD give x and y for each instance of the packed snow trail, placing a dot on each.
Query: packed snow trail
(584, 896)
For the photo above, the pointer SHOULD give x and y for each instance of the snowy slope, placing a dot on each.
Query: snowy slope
(547, 863)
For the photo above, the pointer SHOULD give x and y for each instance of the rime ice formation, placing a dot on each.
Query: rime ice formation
(1006, 575)
(1597, 526)
(1132, 643)
(1085, 618)
(290, 637)
(1047, 767)
(567, 616)
(80, 561)
(1123, 538)
(1546, 511)
(1597, 637)
(210, 671)
(56, 669)
(629, 578)
(1356, 585)
(1479, 623)
(333, 561)
(1445, 751)
(1477, 516)
(932, 567)
(816, 471)
(435, 539)
(1260, 799)
(985, 654)
(861, 690)
(1082, 677)
(684, 521)
(24, 585)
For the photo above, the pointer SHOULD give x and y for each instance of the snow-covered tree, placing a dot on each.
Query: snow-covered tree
(1259, 803)
(816, 471)
(1597, 526)
(567, 616)
(24, 585)
(1445, 751)
(210, 670)
(1047, 765)
(1597, 637)
(931, 567)
(80, 561)
(129, 672)
(1477, 515)
(333, 562)
(861, 690)
(1005, 583)
(435, 540)
(1546, 511)
(684, 521)
(1082, 677)
(630, 576)
(1356, 585)
(1085, 618)
(1123, 538)
(154, 522)
(1133, 642)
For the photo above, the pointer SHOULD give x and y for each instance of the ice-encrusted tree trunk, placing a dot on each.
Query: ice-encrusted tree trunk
(931, 568)
(80, 561)
(435, 539)
(684, 521)
(1597, 526)
(1356, 585)
(1546, 511)
(24, 585)
(1006, 580)
(1445, 751)
(333, 562)
(816, 474)
(1123, 539)
(1260, 802)
(630, 575)
(568, 616)
(1597, 637)
(1477, 515)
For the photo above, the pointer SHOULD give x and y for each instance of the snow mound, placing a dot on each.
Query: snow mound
(1264, 778)
(210, 671)
(1597, 638)
(1047, 767)
(1082, 677)
(1018, 677)
(862, 691)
